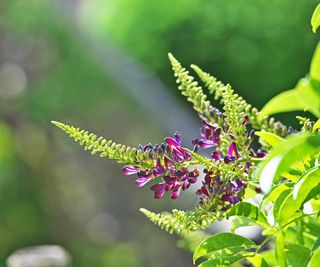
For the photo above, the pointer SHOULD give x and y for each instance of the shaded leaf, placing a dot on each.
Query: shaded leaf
(297, 255)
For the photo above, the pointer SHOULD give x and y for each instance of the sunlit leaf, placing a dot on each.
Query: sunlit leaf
(315, 64)
(315, 20)
(284, 155)
(315, 259)
(273, 193)
(280, 245)
(218, 262)
(286, 101)
(258, 261)
(297, 255)
(279, 201)
(221, 241)
(270, 138)
(316, 126)
(250, 211)
(302, 97)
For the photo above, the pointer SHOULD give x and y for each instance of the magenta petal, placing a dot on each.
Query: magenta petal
(128, 170)
(171, 142)
(216, 134)
(216, 156)
(142, 181)
(177, 155)
(175, 193)
(205, 143)
(177, 137)
(159, 168)
(169, 163)
(233, 150)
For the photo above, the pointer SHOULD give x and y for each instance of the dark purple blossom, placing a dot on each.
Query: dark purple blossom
(210, 135)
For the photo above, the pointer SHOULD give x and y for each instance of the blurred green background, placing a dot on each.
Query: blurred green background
(57, 61)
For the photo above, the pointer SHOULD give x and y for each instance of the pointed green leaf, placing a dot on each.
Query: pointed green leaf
(250, 211)
(315, 64)
(302, 97)
(315, 20)
(221, 241)
(286, 101)
(270, 138)
(315, 259)
(284, 155)
(297, 255)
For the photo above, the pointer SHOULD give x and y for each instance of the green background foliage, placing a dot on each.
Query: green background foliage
(53, 193)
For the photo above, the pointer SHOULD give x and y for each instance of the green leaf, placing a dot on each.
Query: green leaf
(250, 211)
(218, 262)
(284, 155)
(270, 257)
(302, 97)
(273, 193)
(316, 244)
(286, 101)
(297, 255)
(280, 245)
(315, 259)
(307, 187)
(278, 203)
(315, 64)
(241, 221)
(316, 126)
(315, 20)
(221, 241)
(258, 261)
(270, 138)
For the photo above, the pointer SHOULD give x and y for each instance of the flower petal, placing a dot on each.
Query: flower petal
(169, 163)
(128, 170)
(233, 150)
(171, 142)
(142, 181)
(177, 137)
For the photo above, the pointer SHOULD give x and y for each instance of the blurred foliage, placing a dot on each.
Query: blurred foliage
(252, 44)
(47, 194)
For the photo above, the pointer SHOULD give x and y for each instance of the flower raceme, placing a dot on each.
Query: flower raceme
(169, 164)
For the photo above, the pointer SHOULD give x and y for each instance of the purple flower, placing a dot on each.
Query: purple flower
(177, 180)
(210, 134)
(179, 153)
(233, 153)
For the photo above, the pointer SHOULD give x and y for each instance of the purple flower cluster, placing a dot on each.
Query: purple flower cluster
(168, 164)
(213, 187)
